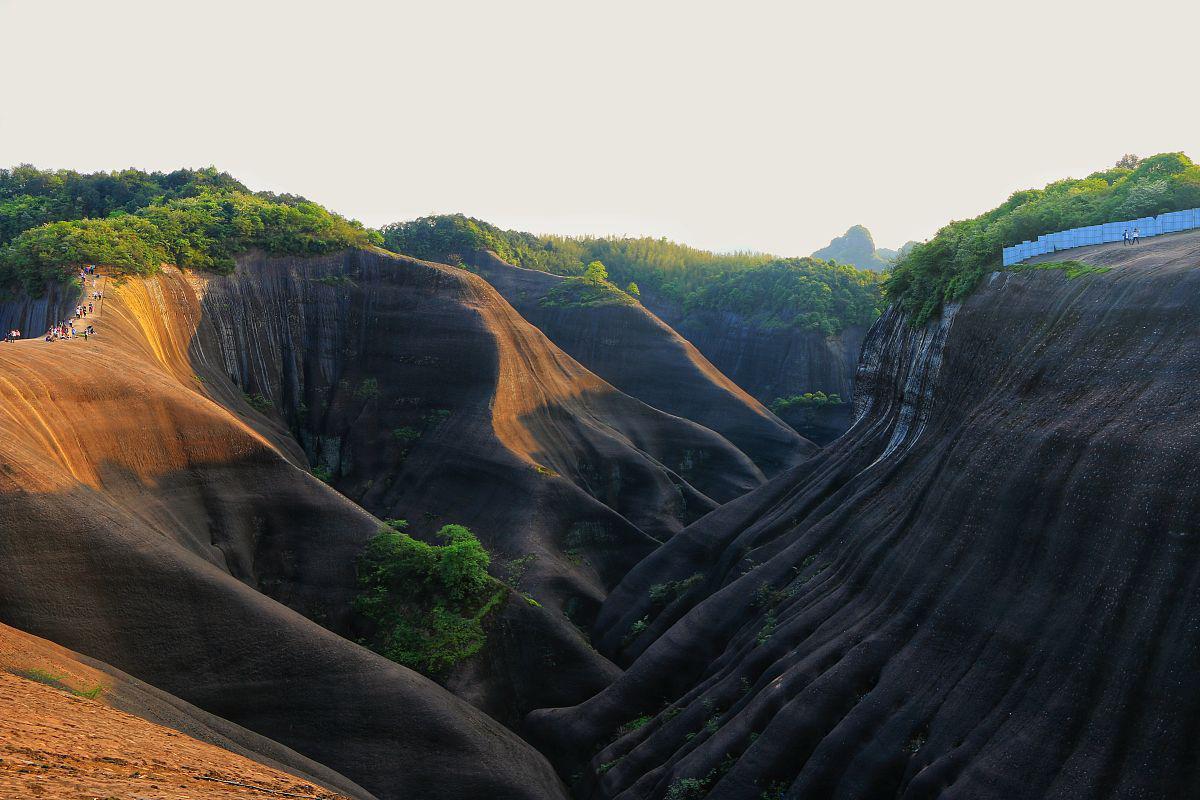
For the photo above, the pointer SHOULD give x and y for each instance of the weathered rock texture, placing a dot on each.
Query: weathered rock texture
(140, 519)
(767, 363)
(639, 354)
(423, 395)
(986, 589)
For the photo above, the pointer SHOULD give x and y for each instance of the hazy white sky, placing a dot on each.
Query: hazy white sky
(735, 125)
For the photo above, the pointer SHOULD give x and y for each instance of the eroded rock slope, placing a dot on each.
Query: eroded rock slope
(986, 589)
(637, 353)
(141, 518)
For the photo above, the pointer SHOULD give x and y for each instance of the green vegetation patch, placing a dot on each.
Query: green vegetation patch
(1072, 269)
(57, 682)
(806, 400)
(803, 293)
(133, 222)
(427, 602)
(666, 593)
(949, 266)
(589, 290)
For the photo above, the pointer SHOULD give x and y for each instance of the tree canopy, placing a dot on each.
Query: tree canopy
(802, 293)
(951, 264)
(132, 222)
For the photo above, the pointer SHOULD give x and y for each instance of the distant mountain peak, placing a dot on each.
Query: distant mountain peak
(857, 247)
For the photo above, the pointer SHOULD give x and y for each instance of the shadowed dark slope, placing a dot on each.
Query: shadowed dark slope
(640, 355)
(986, 589)
(422, 395)
(767, 362)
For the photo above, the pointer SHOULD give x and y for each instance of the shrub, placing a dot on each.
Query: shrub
(688, 788)
(427, 602)
(368, 389)
(806, 400)
(664, 593)
(258, 402)
(406, 435)
(636, 629)
(637, 723)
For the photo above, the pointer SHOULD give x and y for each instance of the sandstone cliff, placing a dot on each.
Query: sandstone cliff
(985, 589)
(637, 353)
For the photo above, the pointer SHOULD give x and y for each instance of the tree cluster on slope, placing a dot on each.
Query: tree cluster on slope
(426, 603)
(951, 264)
(802, 293)
(134, 221)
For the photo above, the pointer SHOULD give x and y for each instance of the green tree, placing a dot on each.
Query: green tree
(426, 602)
(596, 271)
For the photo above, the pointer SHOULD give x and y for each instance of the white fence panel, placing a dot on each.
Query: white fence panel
(1146, 227)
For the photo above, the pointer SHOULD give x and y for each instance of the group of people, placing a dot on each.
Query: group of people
(66, 330)
(1131, 238)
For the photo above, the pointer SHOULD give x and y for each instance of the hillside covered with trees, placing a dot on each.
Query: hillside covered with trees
(951, 264)
(132, 221)
(802, 293)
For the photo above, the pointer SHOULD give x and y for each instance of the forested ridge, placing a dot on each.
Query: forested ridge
(950, 265)
(133, 221)
(803, 293)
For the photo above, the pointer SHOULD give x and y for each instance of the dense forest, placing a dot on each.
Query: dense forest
(804, 293)
(950, 265)
(132, 221)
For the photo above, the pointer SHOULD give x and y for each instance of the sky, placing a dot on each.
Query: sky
(767, 126)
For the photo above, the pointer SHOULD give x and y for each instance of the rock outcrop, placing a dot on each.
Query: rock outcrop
(985, 589)
(639, 354)
(161, 513)
(767, 363)
(419, 393)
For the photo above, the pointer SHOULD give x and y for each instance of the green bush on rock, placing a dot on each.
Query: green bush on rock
(426, 602)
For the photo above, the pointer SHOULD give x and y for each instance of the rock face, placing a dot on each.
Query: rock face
(821, 425)
(985, 589)
(141, 517)
(637, 353)
(35, 315)
(160, 513)
(421, 394)
(767, 363)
